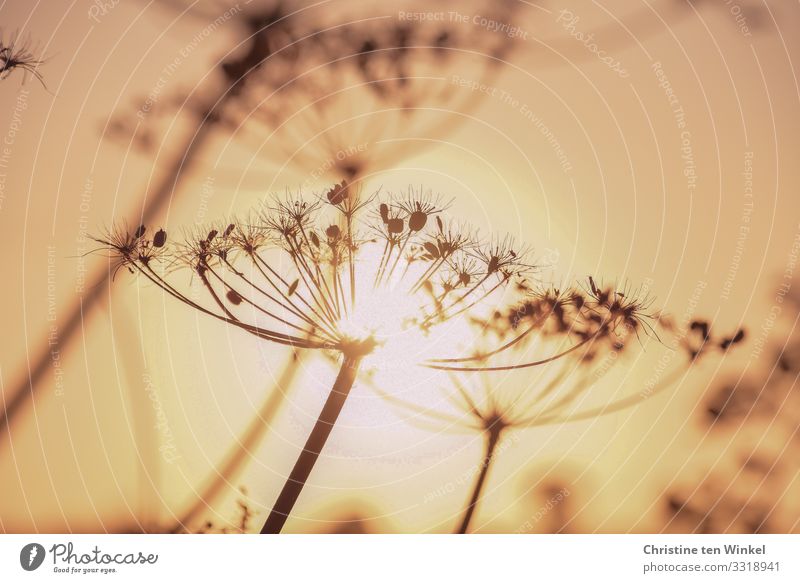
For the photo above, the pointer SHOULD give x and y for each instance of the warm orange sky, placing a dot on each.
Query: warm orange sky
(598, 171)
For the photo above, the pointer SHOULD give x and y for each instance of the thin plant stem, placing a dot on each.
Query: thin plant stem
(399, 256)
(124, 330)
(352, 266)
(313, 447)
(548, 360)
(492, 439)
(242, 450)
(73, 321)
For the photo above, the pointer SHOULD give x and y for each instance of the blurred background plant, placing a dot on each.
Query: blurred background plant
(292, 72)
(200, 138)
(746, 480)
(394, 270)
(587, 331)
(18, 54)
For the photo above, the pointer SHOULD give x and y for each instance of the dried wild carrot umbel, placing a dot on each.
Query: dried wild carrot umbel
(347, 273)
(599, 325)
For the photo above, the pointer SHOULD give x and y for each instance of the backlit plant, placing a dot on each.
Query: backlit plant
(359, 277)
(597, 325)
(16, 55)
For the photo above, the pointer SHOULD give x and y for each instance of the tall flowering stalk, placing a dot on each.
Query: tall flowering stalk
(598, 324)
(338, 273)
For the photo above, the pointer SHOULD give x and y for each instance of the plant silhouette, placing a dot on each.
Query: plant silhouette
(599, 325)
(404, 255)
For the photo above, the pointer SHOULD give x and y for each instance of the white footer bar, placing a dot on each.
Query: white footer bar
(389, 558)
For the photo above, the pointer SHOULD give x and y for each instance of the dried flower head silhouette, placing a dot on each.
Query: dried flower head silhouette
(350, 274)
(16, 54)
(339, 96)
(376, 83)
(597, 324)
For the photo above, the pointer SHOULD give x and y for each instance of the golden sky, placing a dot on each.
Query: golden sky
(675, 164)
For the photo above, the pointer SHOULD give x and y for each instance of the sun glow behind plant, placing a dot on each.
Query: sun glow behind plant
(389, 287)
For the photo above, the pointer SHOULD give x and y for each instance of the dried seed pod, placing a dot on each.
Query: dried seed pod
(140, 232)
(494, 264)
(727, 342)
(160, 238)
(314, 239)
(417, 221)
(384, 209)
(234, 297)
(211, 234)
(395, 226)
(228, 231)
(701, 327)
(432, 250)
(333, 232)
(338, 193)
(293, 287)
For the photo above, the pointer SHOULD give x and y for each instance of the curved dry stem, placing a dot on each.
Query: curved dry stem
(234, 461)
(313, 446)
(613, 407)
(492, 439)
(555, 357)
